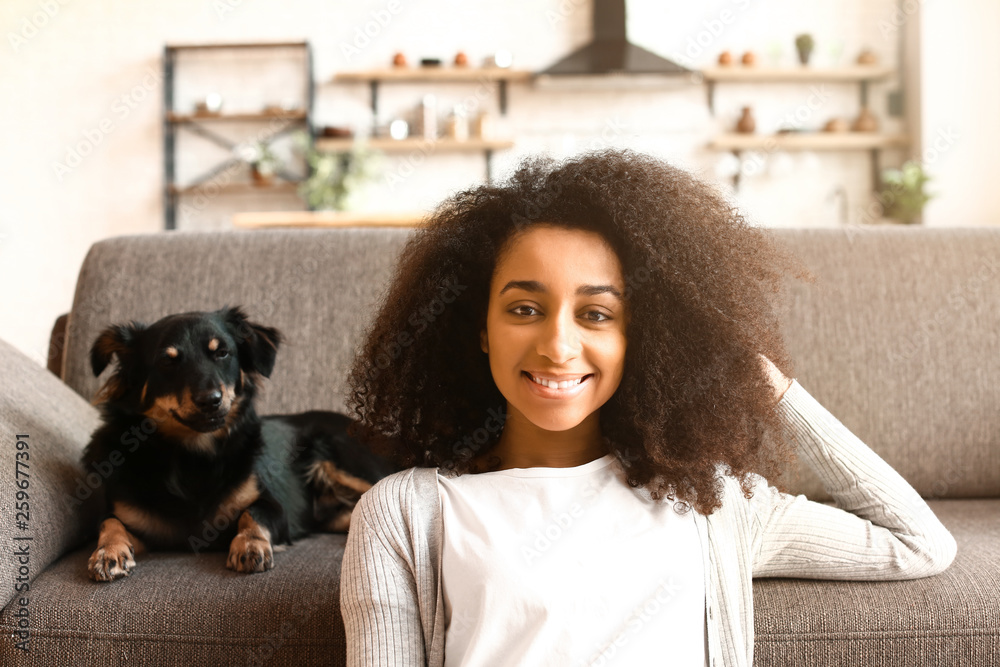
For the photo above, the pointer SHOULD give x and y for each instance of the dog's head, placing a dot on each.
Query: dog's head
(189, 372)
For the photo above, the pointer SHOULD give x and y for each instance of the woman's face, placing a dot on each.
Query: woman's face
(556, 313)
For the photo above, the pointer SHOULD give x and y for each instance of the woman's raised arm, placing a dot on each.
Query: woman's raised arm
(879, 528)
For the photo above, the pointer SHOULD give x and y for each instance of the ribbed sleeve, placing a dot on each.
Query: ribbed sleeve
(879, 529)
(378, 589)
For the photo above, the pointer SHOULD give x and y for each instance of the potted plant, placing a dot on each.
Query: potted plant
(335, 177)
(902, 193)
(264, 164)
(804, 45)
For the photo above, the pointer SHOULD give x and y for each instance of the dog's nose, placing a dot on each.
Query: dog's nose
(208, 400)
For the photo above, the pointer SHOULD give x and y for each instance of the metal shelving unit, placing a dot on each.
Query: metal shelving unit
(204, 126)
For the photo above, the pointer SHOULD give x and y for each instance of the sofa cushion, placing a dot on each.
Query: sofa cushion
(188, 609)
(898, 338)
(952, 618)
(62, 509)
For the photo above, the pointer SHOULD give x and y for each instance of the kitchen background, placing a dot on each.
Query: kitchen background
(83, 87)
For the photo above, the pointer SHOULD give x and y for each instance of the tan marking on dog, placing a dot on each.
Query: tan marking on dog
(328, 476)
(172, 352)
(341, 522)
(143, 521)
(250, 550)
(213, 345)
(115, 554)
(238, 500)
(142, 397)
(338, 492)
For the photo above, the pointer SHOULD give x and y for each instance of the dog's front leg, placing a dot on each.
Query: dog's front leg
(259, 524)
(115, 553)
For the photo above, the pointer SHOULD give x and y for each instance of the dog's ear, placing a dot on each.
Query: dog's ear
(256, 344)
(117, 340)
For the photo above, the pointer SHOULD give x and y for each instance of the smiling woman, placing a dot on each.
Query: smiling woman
(696, 287)
(620, 316)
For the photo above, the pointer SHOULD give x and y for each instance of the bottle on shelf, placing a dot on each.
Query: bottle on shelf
(458, 124)
(427, 123)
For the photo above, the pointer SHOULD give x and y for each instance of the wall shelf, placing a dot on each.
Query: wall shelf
(438, 74)
(873, 142)
(260, 220)
(234, 117)
(391, 145)
(277, 186)
(433, 75)
(860, 74)
(809, 141)
(499, 75)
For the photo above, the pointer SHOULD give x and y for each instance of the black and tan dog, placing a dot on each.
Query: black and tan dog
(191, 466)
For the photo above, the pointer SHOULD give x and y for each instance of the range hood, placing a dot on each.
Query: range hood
(610, 52)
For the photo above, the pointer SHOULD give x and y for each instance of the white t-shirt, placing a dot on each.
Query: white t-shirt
(568, 566)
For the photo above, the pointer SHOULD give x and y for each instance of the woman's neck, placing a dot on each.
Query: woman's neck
(524, 445)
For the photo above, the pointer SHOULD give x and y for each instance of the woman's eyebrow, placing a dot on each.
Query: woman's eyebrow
(582, 290)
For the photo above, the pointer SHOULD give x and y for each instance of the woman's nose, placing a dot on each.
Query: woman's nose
(560, 339)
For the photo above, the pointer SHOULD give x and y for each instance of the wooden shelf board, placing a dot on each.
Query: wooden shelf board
(259, 220)
(440, 74)
(234, 45)
(174, 117)
(737, 73)
(235, 187)
(415, 143)
(809, 141)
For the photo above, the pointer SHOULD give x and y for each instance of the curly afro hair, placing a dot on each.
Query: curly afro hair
(702, 288)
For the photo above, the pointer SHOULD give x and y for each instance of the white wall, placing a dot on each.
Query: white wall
(86, 75)
(960, 105)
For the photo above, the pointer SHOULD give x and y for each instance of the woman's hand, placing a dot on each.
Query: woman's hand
(779, 380)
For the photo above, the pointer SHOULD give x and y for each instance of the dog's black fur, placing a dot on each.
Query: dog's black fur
(188, 462)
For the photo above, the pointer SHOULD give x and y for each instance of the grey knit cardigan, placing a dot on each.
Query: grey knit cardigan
(878, 528)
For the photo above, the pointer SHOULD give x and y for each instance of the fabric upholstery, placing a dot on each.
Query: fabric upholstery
(62, 509)
(898, 338)
(952, 618)
(188, 609)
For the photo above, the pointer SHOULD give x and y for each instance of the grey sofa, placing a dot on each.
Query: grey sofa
(899, 338)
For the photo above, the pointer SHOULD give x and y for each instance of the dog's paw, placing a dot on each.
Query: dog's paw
(250, 554)
(111, 562)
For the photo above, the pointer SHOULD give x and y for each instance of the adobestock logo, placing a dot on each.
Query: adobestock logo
(28, 27)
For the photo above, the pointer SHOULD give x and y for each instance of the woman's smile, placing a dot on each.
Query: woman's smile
(557, 388)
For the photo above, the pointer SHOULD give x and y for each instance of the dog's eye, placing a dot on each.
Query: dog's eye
(221, 354)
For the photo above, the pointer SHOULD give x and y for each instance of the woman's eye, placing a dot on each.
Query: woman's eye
(604, 318)
(523, 308)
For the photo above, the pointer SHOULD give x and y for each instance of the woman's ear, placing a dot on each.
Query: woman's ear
(484, 343)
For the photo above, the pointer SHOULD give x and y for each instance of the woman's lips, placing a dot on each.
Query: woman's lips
(548, 392)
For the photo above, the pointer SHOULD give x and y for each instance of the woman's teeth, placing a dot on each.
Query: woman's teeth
(556, 385)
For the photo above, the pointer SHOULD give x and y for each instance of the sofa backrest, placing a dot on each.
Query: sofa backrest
(899, 337)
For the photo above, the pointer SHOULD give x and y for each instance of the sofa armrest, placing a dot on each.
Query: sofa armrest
(49, 505)
(57, 345)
